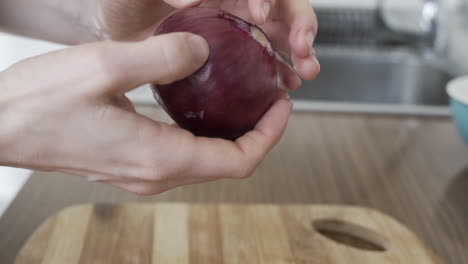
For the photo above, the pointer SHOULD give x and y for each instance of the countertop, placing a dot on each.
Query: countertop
(412, 168)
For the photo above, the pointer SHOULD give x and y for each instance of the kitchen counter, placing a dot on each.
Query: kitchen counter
(412, 168)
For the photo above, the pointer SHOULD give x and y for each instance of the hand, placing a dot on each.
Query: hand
(291, 24)
(66, 111)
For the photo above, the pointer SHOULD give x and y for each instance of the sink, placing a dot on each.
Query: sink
(396, 81)
(369, 80)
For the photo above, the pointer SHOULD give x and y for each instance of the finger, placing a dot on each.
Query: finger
(133, 185)
(147, 188)
(257, 143)
(183, 3)
(308, 67)
(161, 60)
(259, 10)
(139, 188)
(91, 175)
(303, 23)
(88, 174)
(282, 94)
(287, 77)
(218, 158)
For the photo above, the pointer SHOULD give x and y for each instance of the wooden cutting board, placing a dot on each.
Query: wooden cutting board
(176, 233)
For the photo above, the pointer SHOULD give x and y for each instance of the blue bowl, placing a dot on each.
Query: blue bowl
(458, 92)
(460, 116)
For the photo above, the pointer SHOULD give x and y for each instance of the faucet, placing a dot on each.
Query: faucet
(383, 23)
(408, 22)
(439, 27)
(435, 28)
(452, 34)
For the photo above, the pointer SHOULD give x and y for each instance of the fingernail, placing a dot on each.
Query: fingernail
(317, 63)
(310, 41)
(283, 94)
(295, 66)
(298, 83)
(199, 47)
(266, 10)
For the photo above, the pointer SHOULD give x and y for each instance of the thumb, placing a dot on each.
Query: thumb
(161, 60)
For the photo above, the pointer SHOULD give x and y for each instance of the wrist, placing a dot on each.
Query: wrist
(78, 24)
(86, 15)
(67, 22)
(12, 124)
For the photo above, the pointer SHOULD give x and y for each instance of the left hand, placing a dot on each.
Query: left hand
(77, 119)
(290, 24)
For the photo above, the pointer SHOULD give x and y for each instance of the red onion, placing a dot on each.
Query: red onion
(236, 86)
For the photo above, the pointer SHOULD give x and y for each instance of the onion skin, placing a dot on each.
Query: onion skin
(236, 86)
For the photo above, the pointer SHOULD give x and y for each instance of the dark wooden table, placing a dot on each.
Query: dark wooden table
(414, 169)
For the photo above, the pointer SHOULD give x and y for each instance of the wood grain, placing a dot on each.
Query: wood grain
(412, 168)
(250, 233)
(205, 239)
(171, 235)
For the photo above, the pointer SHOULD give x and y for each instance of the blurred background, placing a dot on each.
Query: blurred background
(374, 129)
(391, 56)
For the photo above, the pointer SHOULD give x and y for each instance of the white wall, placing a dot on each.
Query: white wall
(454, 32)
(15, 48)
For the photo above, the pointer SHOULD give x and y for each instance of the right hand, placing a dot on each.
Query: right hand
(66, 111)
(290, 24)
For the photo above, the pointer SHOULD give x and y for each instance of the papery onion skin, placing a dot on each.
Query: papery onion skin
(236, 86)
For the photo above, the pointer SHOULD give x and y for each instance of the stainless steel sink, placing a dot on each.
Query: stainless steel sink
(376, 81)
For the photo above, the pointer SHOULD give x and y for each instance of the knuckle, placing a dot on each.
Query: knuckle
(152, 172)
(173, 51)
(104, 63)
(142, 190)
(255, 147)
(243, 172)
(152, 164)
